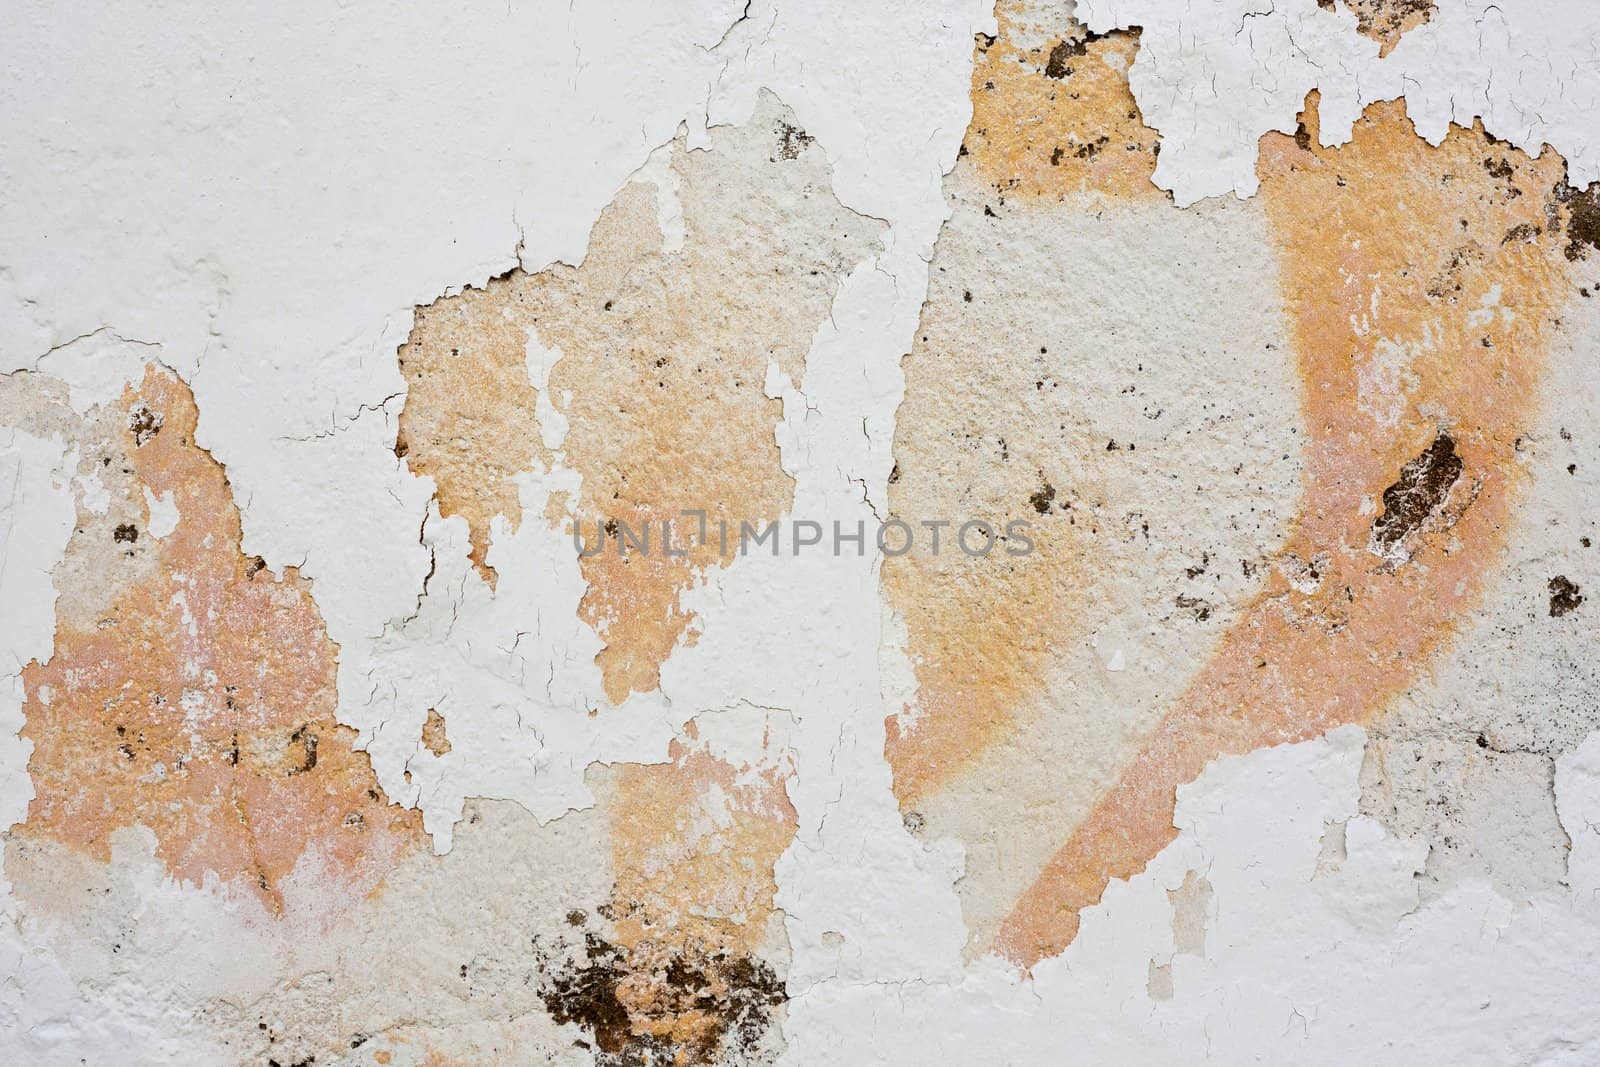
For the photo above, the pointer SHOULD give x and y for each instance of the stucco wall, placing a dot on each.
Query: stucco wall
(799, 532)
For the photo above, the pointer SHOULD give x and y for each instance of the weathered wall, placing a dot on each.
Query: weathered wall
(1193, 408)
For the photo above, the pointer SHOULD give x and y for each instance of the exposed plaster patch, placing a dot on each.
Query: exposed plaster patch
(1052, 114)
(194, 696)
(1191, 907)
(1386, 21)
(1062, 398)
(664, 350)
(434, 737)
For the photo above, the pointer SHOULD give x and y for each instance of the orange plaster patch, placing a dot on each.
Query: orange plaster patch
(199, 702)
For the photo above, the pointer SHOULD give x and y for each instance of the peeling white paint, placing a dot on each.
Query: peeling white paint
(1214, 82)
(1301, 964)
(266, 195)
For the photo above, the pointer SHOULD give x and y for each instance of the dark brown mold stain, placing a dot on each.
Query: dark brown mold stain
(1564, 596)
(1043, 498)
(654, 1005)
(1583, 219)
(1059, 65)
(1420, 492)
(792, 140)
(143, 424)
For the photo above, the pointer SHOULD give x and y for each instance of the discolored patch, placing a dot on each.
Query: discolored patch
(1420, 335)
(656, 352)
(1386, 21)
(686, 974)
(1052, 113)
(468, 421)
(1050, 383)
(980, 628)
(191, 692)
(980, 433)
(693, 847)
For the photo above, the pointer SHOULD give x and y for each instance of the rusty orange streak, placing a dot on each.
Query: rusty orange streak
(1420, 284)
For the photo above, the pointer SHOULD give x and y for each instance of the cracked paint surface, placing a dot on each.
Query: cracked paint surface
(1262, 337)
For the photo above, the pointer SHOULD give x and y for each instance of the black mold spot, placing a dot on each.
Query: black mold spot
(1564, 596)
(1043, 498)
(1522, 233)
(1200, 609)
(1583, 222)
(792, 140)
(1499, 168)
(1059, 65)
(308, 744)
(1090, 149)
(1424, 483)
(127, 532)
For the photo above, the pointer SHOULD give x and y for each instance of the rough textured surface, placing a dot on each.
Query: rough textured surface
(656, 353)
(190, 691)
(1171, 638)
